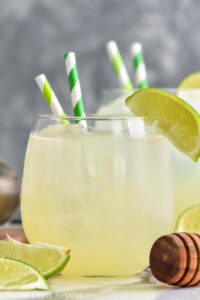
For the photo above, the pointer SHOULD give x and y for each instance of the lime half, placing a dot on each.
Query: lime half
(189, 220)
(192, 81)
(49, 260)
(18, 276)
(175, 118)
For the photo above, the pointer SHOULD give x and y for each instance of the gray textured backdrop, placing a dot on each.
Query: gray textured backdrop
(34, 35)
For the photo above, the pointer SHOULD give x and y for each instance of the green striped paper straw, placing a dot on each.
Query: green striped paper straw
(118, 65)
(74, 85)
(50, 96)
(139, 65)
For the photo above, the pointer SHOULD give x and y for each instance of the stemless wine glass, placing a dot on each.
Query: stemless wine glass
(186, 172)
(105, 191)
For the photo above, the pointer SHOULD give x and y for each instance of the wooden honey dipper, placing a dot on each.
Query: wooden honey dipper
(175, 259)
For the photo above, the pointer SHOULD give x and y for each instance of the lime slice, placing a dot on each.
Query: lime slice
(192, 81)
(49, 260)
(18, 276)
(189, 220)
(175, 118)
(189, 89)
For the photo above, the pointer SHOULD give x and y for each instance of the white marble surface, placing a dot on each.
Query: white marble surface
(62, 288)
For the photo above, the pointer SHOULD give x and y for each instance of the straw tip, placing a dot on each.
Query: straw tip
(39, 77)
(111, 43)
(68, 53)
(136, 47)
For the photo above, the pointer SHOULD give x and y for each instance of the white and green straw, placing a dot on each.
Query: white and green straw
(74, 85)
(50, 96)
(118, 65)
(139, 65)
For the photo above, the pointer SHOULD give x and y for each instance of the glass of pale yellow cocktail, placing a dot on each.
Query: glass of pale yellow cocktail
(104, 189)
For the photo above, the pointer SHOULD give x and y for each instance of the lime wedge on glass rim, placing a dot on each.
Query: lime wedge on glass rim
(18, 276)
(189, 220)
(175, 118)
(49, 260)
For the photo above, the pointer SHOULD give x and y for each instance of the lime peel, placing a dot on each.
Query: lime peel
(189, 220)
(176, 119)
(191, 81)
(48, 259)
(19, 276)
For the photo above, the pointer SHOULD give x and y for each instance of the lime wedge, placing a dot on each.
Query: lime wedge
(192, 81)
(49, 260)
(175, 118)
(189, 89)
(18, 276)
(189, 220)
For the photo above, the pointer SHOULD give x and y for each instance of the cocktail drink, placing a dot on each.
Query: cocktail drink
(187, 176)
(186, 172)
(105, 191)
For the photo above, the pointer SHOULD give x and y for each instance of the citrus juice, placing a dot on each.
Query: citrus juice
(105, 195)
(187, 172)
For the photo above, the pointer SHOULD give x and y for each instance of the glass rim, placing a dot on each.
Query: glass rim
(88, 117)
(117, 89)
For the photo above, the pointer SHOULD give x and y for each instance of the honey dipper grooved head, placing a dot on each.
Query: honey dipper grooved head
(168, 259)
(192, 259)
(175, 259)
(196, 277)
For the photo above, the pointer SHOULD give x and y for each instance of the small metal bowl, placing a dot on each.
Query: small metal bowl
(9, 192)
